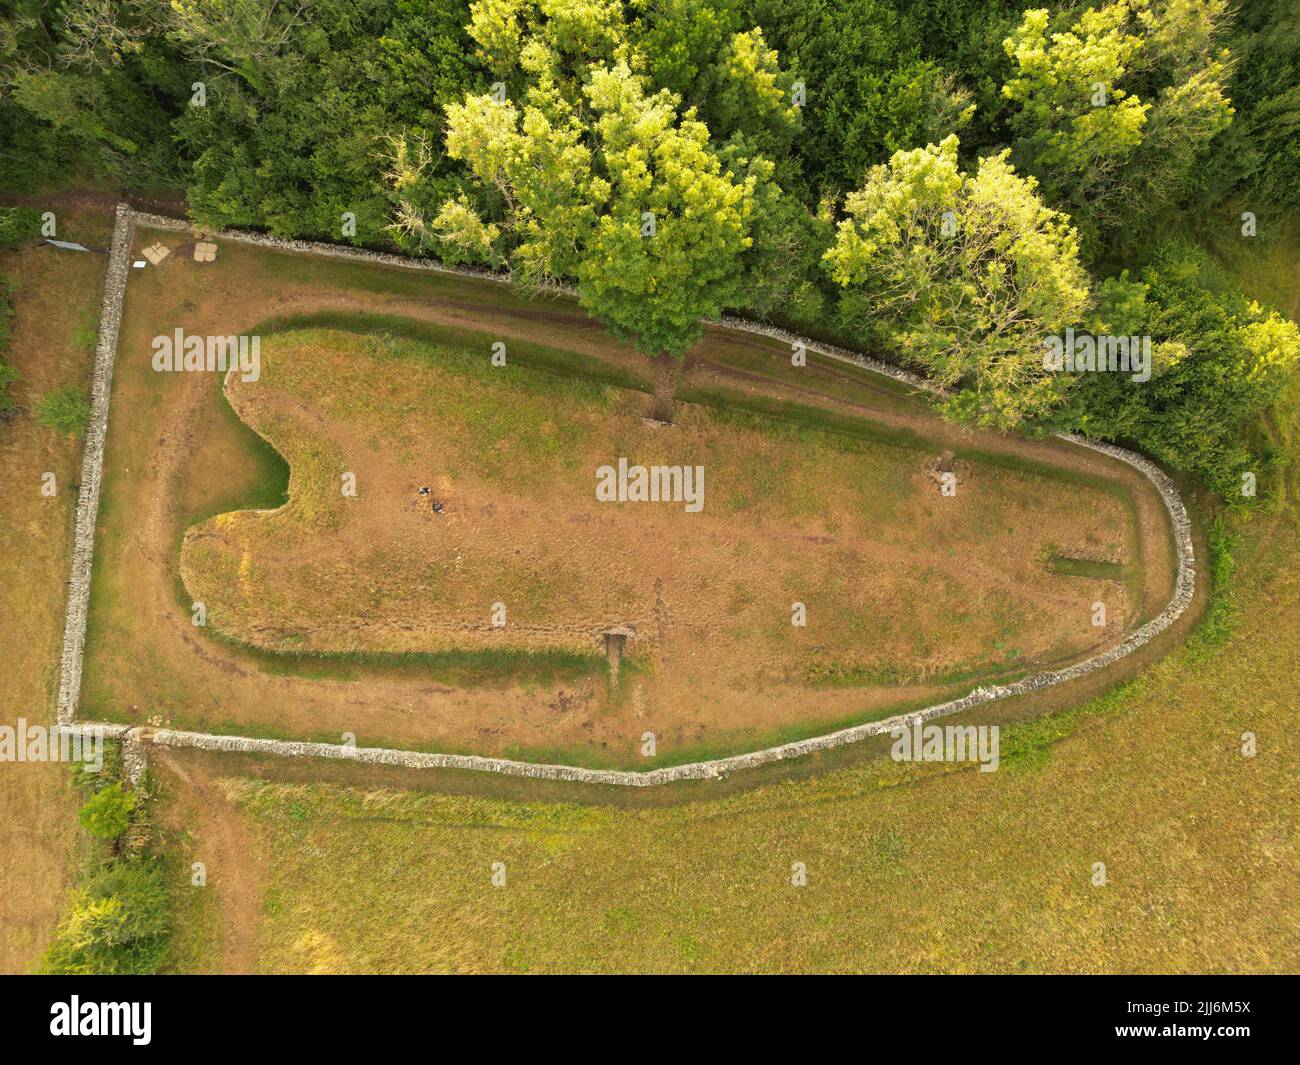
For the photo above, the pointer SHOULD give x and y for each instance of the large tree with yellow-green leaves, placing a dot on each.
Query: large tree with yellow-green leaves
(586, 174)
(1113, 110)
(962, 275)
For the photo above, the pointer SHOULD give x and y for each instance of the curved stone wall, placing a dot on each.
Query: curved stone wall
(88, 504)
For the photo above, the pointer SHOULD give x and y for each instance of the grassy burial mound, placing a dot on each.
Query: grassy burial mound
(337, 599)
(477, 526)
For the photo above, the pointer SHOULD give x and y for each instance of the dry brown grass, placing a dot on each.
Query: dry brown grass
(55, 315)
(911, 596)
(901, 584)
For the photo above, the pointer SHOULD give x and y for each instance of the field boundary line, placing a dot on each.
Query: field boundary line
(135, 737)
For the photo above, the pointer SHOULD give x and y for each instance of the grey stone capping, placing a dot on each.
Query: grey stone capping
(135, 738)
(92, 466)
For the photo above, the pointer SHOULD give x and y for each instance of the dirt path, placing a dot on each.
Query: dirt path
(222, 841)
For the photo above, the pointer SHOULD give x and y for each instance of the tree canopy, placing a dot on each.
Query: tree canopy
(673, 160)
(963, 274)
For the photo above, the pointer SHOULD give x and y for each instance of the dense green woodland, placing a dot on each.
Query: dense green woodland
(943, 182)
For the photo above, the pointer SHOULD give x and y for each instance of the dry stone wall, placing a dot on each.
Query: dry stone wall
(136, 738)
(92, 466)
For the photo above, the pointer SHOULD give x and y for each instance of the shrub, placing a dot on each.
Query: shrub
(119, 924)
(1219, 360)
(65, 409)
(18, 224)
(107, 813)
